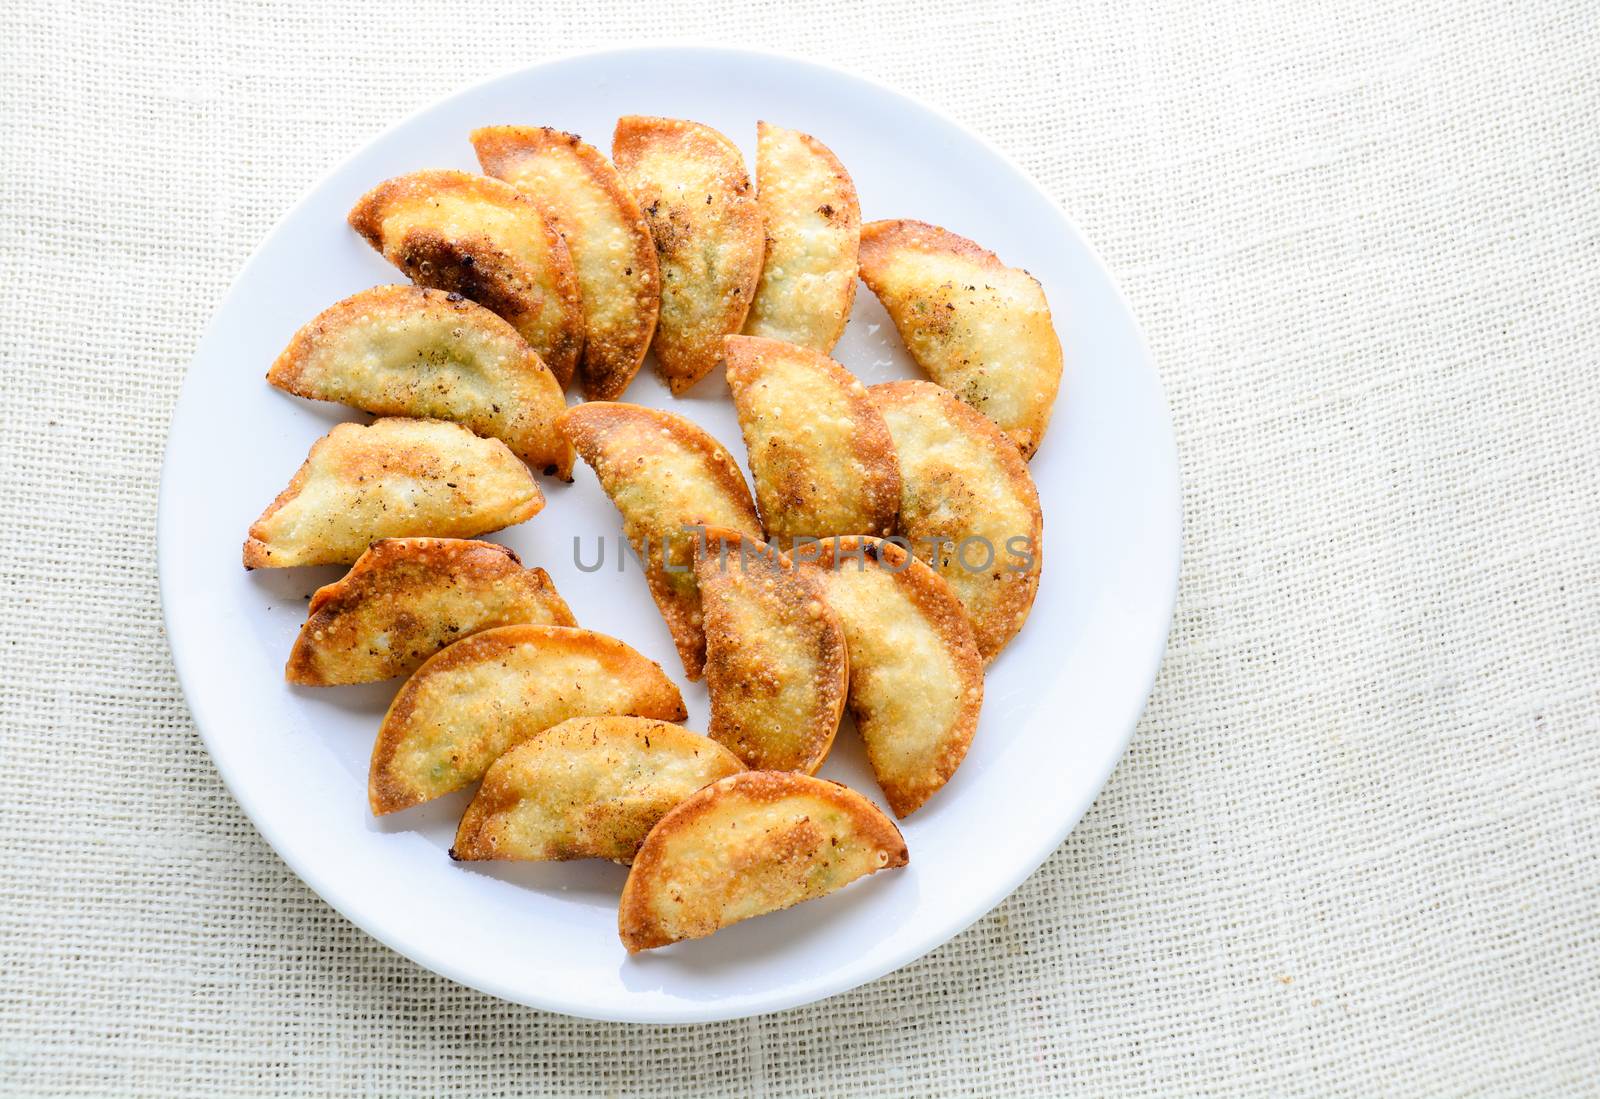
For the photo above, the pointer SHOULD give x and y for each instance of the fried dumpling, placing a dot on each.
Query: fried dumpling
(968, 507)
(813, 224)
(820, 454)
(394, 478)
(916, 679)
(691, 183)
(750, 844)
(664, 474)
(469, 703)
(979, 328)
(410, 351)
(775, 655)
(485, 240)
(588, 788)
(582, 197)
(407, 598)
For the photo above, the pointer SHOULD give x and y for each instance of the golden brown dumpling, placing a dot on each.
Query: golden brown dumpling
(407, 598)
(916, 679)
(775, 655)
(485, 240)
(691, 183)
(394, 478)
(589, 788)
(813, 223)
(468, 704)
(979, 328)
(582, 197)
(664, 474)
(968, 507)
(822, 459)
(750, 844)
(410, 351)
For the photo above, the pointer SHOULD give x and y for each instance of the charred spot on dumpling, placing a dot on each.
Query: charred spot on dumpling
(482, 238)
(448, 264)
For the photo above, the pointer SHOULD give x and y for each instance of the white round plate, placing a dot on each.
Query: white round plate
(1060, 702)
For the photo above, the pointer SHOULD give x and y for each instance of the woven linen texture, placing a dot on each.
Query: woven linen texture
(1352, 848)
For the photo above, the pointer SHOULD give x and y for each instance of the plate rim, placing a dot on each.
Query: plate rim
(698, 1012)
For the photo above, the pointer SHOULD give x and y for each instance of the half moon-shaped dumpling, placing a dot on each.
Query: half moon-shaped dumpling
(916, 679)
(775, 655)
(462, 709)
(664, 474)
(691, 183)
(407, 598)
(979, 328)
(410, 351)
(582, 197)
(968, 507)
(588, 788)
(750, 844)
(813, 224)
(822, 459)
(485, 240)
(394, 478)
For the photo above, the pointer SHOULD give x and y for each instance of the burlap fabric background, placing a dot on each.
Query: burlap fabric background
(1352, 849)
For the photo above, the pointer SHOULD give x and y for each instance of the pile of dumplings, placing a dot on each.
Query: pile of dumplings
(844, 580)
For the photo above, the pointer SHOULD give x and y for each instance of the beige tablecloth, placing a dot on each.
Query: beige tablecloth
(1352, 849)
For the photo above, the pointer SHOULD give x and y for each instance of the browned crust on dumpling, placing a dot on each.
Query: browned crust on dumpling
(522, 413)
(364, 455)
(861, 494)
(588, 788)
(776, 667)
(477, 266)
(395, 589)
(937, 605)
(698, 484)
(701, 301)
(792, 858)
(613, 349)
(653, 695)
(1019, 395)
(947, 503)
